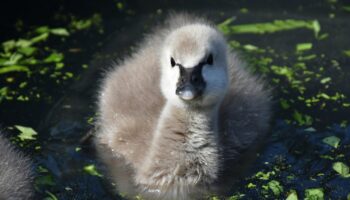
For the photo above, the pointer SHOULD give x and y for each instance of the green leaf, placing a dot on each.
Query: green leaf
(9, 45)
(269, 27)
(24, 43)
(326, 80)
(284, 104)
(341, 169)
(292, 195)
(44, 180)
(14, 59)
(3, 93)
(42, 29)
(347, 53)
(283, 71)
(302, 119)
(332, 141)
(308, 57)
(40, 38)
(14, 68)
(59, 31)
(303, 47)
(27, 133)
(346, 8)
(251, 185)
(28, 51)
(51, 196)
(54, 57)
(314, 194)
(316, 27)
(275, 187)
(91, 169)
(225, 26)
(264, 176)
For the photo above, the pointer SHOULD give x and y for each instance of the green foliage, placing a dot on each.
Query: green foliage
(303, 47)
(314, 194)
(26, 133)
(275, 187)
(294, 76)
(292, 195)
(14, 68)
(347, 53)
(51, 196)
(333, 141)
(91, 169)
(269, 27)
(346, 8)
(44, 180)
(342, 169)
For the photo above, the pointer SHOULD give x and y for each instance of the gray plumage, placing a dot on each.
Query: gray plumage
(15, 173)
(161, 146)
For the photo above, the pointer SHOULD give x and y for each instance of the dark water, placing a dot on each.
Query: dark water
(295, 155)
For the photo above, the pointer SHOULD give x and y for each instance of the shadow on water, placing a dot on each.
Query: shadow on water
(296, 158)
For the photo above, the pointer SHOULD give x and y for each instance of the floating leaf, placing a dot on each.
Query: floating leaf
(45, 180)
(244, 10)
(332, 141)
(316, 27)
(342, 169)
(303, 47)
(269, 27)
(51, 196)
(14, 59)
(40, 38)
(275, 187)
(59, 31)
(24, 43)
(264, 176)
(308, 57)
(284, 104)
(13, 68)
(252, 48)
(251, 185)
(326, 80)
(28, 51)
(314, 194)
(346, 8)
(9, 45)
(302, 119)
(42, 29)
(54, 57)
(225, 25)
(284, 71)
(310, 129)
(27, 133)
(91, 169)
(347, 53)
(292, 195)
(3, 93)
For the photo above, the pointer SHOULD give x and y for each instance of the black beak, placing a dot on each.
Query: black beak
(191, 83)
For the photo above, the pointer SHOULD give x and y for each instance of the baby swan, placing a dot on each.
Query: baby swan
(181, 118)
(15, 173)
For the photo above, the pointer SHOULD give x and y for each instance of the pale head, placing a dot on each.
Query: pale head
(194, 66)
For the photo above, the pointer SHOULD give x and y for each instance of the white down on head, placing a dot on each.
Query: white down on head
(189, 46)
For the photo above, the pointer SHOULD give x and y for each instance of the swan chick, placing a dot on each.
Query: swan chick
(15, 173)
(181, 118)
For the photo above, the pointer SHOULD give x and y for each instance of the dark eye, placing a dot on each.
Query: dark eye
(210, 59)
(172, 62)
